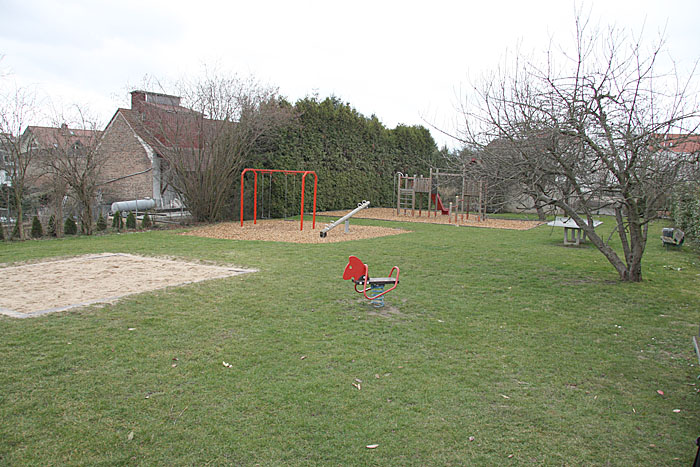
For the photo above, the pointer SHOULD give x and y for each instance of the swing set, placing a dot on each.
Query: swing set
(269, 173)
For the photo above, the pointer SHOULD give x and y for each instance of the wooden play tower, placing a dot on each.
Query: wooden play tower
(468, 195)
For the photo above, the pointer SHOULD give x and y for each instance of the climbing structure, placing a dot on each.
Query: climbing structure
(462, 194)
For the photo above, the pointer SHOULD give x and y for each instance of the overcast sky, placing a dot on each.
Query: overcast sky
(404, 61)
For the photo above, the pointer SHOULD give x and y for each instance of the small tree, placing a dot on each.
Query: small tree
(2, 233)
(37, 230)
(130, 221)
(117, 222)
(70, 227)
(101, 223)
(146, 221)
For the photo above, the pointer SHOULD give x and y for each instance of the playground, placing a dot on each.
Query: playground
(503, 342)
(495, 345)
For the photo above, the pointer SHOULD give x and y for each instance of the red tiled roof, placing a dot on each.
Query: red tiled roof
(48, 137)
(168, 126)
(680, 143)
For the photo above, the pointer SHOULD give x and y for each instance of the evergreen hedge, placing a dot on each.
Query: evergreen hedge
(355, 157)
(685, 210)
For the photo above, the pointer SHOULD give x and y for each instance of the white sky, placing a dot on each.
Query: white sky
(400, 60)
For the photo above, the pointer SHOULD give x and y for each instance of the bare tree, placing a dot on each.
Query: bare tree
(591, 125)
(17, 108)
(73, 161)
(205, 142)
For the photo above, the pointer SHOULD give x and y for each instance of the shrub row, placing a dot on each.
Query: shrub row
(70, 227)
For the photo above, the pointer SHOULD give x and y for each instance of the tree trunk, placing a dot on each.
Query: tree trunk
(541, 215)
(20, 215)
(86, 219)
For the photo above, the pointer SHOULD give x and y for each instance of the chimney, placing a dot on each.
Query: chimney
(138, 98)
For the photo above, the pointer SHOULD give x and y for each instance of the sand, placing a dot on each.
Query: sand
(56, 285)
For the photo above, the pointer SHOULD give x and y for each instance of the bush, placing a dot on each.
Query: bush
(146, 221)
(101, 223)
(51, 228)
(685, 209)
(131, 221)
(37, 230)
(15, 232)
(70, 227)
(2, 233)
(117, 222)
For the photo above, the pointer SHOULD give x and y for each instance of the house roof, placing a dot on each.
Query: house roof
(51, 137)
(681, 143)
(168, 126)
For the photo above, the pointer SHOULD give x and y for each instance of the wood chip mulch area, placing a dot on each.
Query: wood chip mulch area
(288, 231)
(390, 215)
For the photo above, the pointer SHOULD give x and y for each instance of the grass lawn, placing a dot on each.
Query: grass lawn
(498, 347)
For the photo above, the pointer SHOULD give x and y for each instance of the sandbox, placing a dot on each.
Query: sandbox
(56, 285)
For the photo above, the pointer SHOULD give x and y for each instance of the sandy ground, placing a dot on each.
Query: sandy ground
(44, 287)
(288, 231)
(390, 214)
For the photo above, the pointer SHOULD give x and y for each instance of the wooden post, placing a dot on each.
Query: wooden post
(430, 190)
(413, 196)
(481, 210)
(398, 194)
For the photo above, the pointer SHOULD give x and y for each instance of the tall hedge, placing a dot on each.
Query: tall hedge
(355, 157)
(685, 209)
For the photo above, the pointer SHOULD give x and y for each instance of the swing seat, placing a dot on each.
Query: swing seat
(358, 272)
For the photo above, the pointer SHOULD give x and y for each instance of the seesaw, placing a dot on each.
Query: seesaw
(345, 218)
(359, 273)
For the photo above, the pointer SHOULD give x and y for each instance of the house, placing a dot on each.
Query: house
(5, 159)
(44, 142)
(135, 144)
(680, 143)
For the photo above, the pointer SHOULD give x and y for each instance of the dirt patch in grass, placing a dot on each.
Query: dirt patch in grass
(288, 231)
(56, 285)
(390, 215)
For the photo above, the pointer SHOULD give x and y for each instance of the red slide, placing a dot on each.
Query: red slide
(440, 206)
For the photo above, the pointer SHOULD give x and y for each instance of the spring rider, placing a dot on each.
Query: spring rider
(359, 273)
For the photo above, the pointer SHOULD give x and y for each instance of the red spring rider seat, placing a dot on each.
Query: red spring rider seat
(359, 273)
